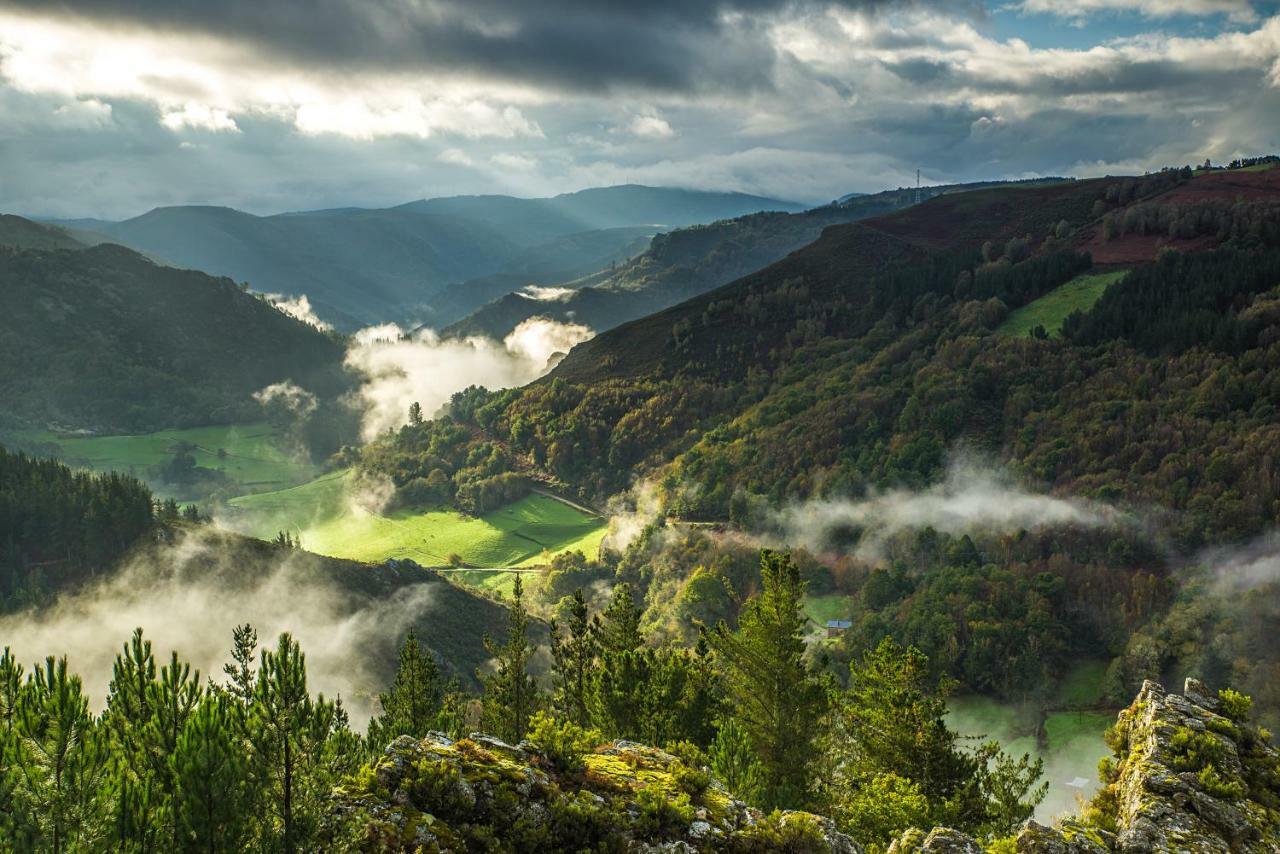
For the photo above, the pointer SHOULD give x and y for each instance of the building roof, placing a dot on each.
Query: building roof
(839, 624)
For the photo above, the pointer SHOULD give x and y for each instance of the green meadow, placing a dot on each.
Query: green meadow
(328, 516)
(1054, 307)
(1073, 739)
(253, 456)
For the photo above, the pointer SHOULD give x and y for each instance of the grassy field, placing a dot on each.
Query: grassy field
(252, 455)
(820, 609)
(330, 522)
(1051, 309)
(1082, 686)
(1074, 744)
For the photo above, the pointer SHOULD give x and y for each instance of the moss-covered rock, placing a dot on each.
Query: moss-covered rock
(438, 795)
(1189, 774)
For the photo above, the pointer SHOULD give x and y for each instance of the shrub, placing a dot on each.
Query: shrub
(563, 743)
(1193, 750)
(1235, 705)
(662, 812)
(1219, 785)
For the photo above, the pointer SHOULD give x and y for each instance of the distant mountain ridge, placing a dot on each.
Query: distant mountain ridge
(687, 262)
(362, 266)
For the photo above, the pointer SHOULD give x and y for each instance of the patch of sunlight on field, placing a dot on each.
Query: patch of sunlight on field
(524, 533)
(1054, 307)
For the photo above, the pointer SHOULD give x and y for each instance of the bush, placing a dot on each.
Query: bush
(662, 812)
(1235, 705)
(1193, 751)
(562, 742)
(1219, 785)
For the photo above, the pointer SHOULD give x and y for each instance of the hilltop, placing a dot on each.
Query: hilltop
(102, 338)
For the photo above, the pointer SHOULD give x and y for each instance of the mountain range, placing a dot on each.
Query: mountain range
(360, 267)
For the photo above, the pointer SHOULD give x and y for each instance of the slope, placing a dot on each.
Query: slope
(102, 338)
(691, 261)
(357, 267)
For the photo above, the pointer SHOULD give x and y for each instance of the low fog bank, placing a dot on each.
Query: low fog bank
(188, 597)
(1243, 568)
(972, 497)
(402, 368)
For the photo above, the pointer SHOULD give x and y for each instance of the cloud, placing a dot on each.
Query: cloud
(584, 45)
(1236, 570)
(1077, 10)
(189, 597)
(972, 497)
(299, 308)
(199, 117)
(800, 100)
(651, 126)
(545, 293)
(401, 369)
(294, 398)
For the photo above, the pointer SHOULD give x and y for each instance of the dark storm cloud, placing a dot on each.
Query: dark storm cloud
(584, 45)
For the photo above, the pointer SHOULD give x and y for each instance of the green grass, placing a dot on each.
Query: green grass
(524, 533)
(1074, 744)
(254, 456)
(1054, 307)
(834, 606)
(1082, 686)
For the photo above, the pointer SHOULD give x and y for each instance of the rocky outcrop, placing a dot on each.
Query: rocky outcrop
(439, 795)
(1189, 775)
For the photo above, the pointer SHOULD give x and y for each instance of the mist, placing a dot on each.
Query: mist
(299, 308)
(1244, 568)
(189, 596)
(972, 496)
(401, 368)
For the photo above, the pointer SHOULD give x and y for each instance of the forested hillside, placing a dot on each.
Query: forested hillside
(867, 362)
(104, 339)
(688, 262)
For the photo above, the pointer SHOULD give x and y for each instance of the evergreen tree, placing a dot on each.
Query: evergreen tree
(60, 763)
(894, 763)
(773, 698)
(287, 731)
(208, 768)
(618, 628)
(244, 640)
(573, 656)
(510, 693)
(412, 706)
(734, 762)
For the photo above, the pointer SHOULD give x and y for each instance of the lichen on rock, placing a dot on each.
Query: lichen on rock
(438, 795)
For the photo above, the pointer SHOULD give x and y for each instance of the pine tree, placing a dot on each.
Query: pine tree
(899, 764)
(618, 628)
(774, 699)
(510, 693)
(244, 640)
(281, 726)
(208, 768)
(412, 706)
(573, 656)
(734, 762)
(61, 762)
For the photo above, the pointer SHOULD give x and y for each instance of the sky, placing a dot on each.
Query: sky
(109, 108)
